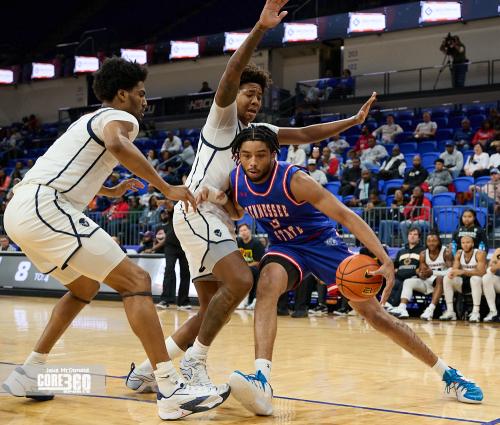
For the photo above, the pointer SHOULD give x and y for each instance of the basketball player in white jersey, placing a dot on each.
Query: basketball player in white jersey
(469, 263)
(219, 272)
(45, 219)
(491, 286)
(435, 261)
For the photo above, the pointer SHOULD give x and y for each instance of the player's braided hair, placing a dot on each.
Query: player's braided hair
(257, 132)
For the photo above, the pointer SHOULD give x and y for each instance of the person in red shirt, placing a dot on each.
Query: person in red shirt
(484, 134)
(116, 216)
(4, 183)
(417, 214)
(362, 142)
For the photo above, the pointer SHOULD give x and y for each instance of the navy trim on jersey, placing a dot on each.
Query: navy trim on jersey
(91, 132)
(86, 172)
(70, 162)
(196, 279)
(215, 148)
(50, 271)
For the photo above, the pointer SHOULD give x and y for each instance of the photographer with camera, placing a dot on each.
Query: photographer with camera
(452, 46)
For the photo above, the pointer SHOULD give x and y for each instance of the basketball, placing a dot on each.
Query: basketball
(353, 281)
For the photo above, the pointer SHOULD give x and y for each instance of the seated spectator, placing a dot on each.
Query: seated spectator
(116, 215)
(484, 135)
(187, 155)
(394, 166)
(374, 209)
(489, 194)
(172, 144)
(453, 159)
(345, 85)
(469, 264)
(152, 158)
(150, 217)
(434, 264)
(425, 130)
(415, 176)
(158, 243)
(4, 184)
(416, 214)
(134, 204)
(350, 177)
(463, 136)
(326, 85)
(296, 156)
(363, 188)
(477, 164)
(494, 161)
(5, 244)
(491, 286)
(362, 142)
(373, 155)
(330, 165)
(147, 241)
(337, 145)
(316, 174)
(405, 264)
(205, 88)
(386, 133)
(150, 191)
(439, 179)
(469, 226)
(393, 218)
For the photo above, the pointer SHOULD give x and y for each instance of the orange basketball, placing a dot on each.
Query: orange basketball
(353, 280)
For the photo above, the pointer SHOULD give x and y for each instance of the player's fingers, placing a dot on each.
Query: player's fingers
(138, 183)
(186, 206)
(192, 201)
(282, 14)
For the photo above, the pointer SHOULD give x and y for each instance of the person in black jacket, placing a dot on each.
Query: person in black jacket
(469, 226)
(415, 176)
(364, 186)
(393, 167)
(406, 262)
(350, 177)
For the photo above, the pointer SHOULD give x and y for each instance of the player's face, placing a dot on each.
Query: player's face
(249, 101)
(136, 101)
(467, 243)
(432, 242)
(467, 218)
(256, 160)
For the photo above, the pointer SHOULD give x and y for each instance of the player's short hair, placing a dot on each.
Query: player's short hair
(438, 236)
(254, 74)
(257, 132)
(117, 74)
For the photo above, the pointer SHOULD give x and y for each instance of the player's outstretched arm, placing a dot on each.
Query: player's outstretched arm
(305, 188)
(117, 142)
(121, 188)
(230, 82)
(318, 132)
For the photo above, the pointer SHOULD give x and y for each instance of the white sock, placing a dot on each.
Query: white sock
(166, 377)
(440, 367)
(402, 305)
(198, 349)
(432, 307)
(173, 349)
(36, 359)
(264, 366)
(475, 309)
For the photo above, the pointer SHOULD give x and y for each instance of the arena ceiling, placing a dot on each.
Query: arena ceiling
(31, 31)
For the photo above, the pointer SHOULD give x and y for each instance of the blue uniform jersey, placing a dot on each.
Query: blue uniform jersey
(272, 204)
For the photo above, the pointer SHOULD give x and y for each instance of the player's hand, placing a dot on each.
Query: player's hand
(360, 117)
(130, 184)
(271, 15)
(387, 271)
(181, 193)
(211, 194)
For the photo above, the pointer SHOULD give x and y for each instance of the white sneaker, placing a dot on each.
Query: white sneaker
(428, 313)
(251, 306)
(490, 316)
(188, 399)
(448, 315)
(186, 307)
(399, 312)
(388, 306)
(23, 382)
(141, 382)
(253, 392)
(194, 370)
(474, 317)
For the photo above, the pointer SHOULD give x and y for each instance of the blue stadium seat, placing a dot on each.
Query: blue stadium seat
(440, 112)
(389, 200)
(445, 199)
(404, 115)
(352, 139)
(456, 121)
(476, 120)
(427, 146)
(408, 147)
(442, 122)
(333, 187)
(403, 137)
(474, 109)
(283, 153)
(392, 184)
(447, 219)
(481, 181)
(389, 148)
(441, 145)
(429, 158)
(406, 125)
(430, 168)
(409, 159)
(381, 185)
(353, 130)
(462, 184)
(246, 219)
(482, 216)
(428, 196)
(444, 133)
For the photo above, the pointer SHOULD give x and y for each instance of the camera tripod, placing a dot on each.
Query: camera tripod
(446, 63)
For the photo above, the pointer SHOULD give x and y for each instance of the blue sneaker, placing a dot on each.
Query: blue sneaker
(466, 391)
(253, 392)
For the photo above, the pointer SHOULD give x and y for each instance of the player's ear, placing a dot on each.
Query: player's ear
(122, 95)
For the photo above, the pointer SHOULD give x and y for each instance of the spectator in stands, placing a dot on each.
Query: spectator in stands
(172, 144)
(469, 226)
(489, 194)
(439, 179)
(494, 161)
(453, 46)
(330, 165)
(134, 206)
(112, 180)
(374, 209)
(463, 136)
(150, 191)
(33, 124)
(5, 244)
(116, 215)
(468, 264)
(252, 251)
(158, 243)
(394, 166)
(150, 217)
(405, 264)
(345, 85)
(119, 243)
(187, 154)
(350, 177)
(152, 158)
(477, 164)
(387, 132)
(296, 156)
(4, 183)
(316, 174)
(427, 129)
(415, 176)
(393, 218)
(363, 188)
(205, 88)
(373, 155)
(453, 159)
(326, 85)
(491, 286)
(417, 213)
(337, 145)
(362, 142)
(484, 135)
(147, 241)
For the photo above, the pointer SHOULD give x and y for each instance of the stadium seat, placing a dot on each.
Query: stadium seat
(474, 109)
(444, 133)
(455, 122)
(408, 147)
(481, 181)
(482, 216)
(403, 137)
(406, 125)
(440, 112)
(445, 199)
(429, 158)
(462, 184)
(409, 159)
(428, 146)
(353, 130)
(442, 122)
(352, 139)
(381, 185)
(441, 145)
(446, 219)
(389, 200)
(392, 184)
(476, 120)
(333, 187)
(246, 219)
(283, 153)
(404, 115)
(389, 148)
(428, 196)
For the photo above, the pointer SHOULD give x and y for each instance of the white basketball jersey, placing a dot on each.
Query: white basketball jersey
(472, 264)
(438, 264)
(78, 163)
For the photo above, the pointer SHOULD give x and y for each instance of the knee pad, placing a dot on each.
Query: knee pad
(78, 298)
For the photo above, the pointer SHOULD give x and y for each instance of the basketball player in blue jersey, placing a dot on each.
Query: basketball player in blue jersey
(45, 218)
(296, 213)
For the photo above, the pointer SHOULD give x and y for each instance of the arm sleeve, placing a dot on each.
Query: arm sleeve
(103, 119)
